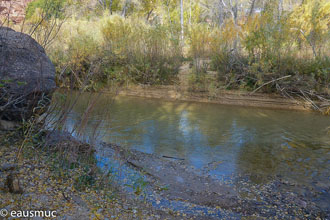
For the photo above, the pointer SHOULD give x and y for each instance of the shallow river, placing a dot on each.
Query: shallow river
(223, 140)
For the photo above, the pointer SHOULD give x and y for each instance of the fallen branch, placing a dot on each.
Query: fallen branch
(274, 80)
(176, 158)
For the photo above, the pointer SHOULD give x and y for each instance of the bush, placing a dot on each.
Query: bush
(200, 40)
(116, 50)
(151, 54)
(78, 62)
(50, 8)
(271, 47)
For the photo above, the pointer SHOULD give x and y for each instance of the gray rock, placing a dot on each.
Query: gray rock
(78, 200)
(8, 167)
(8, 125)
(27, 76)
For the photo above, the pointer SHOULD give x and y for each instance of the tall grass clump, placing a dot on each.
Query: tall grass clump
(118, 50)
(147, 54)
(78, 56)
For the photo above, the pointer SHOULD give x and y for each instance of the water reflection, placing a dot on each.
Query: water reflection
(226, 139)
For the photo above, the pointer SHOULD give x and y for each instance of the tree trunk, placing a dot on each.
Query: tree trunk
(148, 14)
(280, 8)
(252, 7)
(110, 6)
(127, 3)
(102, 3)
(190, 10)
(181, 18)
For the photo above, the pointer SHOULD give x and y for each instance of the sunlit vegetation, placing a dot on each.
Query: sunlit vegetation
(270, 46)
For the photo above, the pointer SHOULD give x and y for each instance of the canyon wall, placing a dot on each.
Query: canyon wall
(13, 10)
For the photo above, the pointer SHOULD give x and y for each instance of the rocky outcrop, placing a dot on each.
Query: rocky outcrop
(13, 10)
(27, 76)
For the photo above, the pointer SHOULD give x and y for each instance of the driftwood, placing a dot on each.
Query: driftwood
(176, 158)
(274, 80)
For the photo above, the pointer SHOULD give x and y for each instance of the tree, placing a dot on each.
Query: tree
(312, 20)
(110, 6)
(125, 7)
(181, 21)
(148, 6)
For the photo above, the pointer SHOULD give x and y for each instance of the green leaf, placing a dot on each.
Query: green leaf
(7, 81)
(21, 83)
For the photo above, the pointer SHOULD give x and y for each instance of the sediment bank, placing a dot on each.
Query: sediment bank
(239, 98)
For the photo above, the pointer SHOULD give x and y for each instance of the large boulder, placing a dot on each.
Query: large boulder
(27, 76)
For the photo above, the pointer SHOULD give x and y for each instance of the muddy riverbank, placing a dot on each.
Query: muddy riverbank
(171, 180)
(77, 192)
(238, 98)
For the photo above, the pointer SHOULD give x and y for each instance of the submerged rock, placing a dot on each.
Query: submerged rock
(27, 76)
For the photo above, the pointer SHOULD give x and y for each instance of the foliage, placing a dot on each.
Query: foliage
(117, 50)
(273, 44)
(200, 38)
(49, 7)
(149, 52)
(247, 45)
(312, 20)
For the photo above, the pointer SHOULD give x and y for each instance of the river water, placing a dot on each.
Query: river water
(222, 140)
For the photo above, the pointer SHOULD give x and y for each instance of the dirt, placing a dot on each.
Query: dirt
(239, 98)
(278, 197)
(184, 182)
(45, 186)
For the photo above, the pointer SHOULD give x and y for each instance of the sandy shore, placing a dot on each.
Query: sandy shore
(238, 98)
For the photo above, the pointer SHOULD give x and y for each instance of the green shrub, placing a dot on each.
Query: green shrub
(50, 8)
(79, 63)
(150, 54)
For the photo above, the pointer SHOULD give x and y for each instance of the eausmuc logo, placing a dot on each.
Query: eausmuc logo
(27, 214)
(31, 214)
(3, 212)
